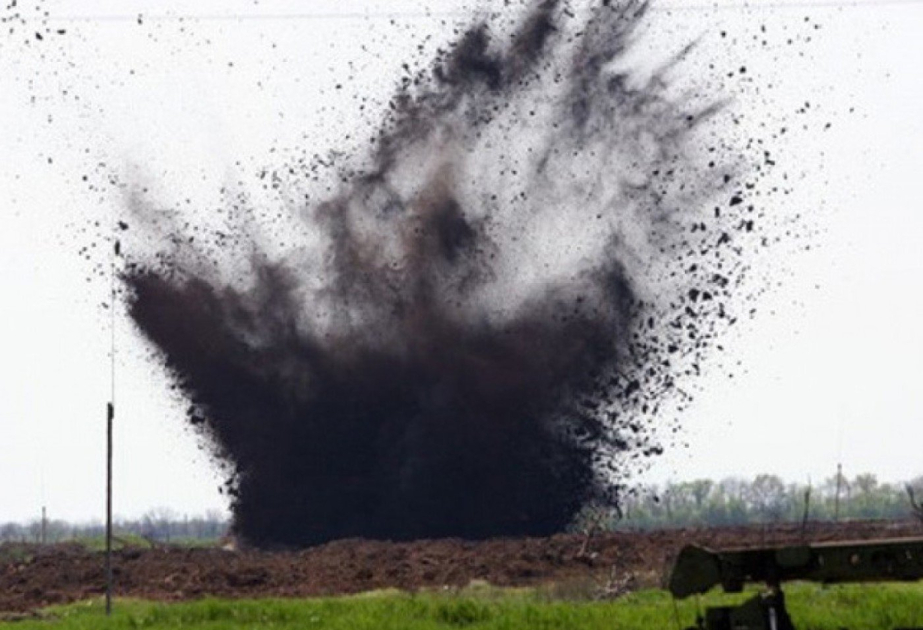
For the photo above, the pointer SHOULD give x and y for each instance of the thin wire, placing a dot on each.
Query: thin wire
(840, 431)
(110, 415)
(112, 324)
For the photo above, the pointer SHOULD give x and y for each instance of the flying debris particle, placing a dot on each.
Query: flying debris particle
(460, 339)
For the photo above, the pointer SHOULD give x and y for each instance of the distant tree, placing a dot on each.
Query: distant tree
(768, 497)
(158, 524)
(916, 506)
(700, 490)
(865, 484)
(11, 532)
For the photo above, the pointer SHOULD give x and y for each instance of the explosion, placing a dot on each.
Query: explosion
(471, 336)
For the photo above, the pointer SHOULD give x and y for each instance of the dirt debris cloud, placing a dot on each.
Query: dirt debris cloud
(471, 335)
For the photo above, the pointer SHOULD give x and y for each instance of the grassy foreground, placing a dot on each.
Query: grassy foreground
(860, 607)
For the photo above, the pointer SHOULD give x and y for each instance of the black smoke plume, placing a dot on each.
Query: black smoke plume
(470, 337)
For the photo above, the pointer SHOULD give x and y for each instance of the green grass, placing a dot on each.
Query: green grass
(863, 607)
(123, 541)
(120, 541)
(858, 606)
(15, 552)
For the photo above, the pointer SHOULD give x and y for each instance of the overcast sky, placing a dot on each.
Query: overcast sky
(828, 370)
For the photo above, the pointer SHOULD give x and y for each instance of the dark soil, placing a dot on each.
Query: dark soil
(32, 577)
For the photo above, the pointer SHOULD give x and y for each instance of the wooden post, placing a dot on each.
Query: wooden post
(836, 498)
(110, 415)
(806, 513)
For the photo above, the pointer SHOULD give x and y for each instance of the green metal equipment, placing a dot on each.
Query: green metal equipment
(698, 570)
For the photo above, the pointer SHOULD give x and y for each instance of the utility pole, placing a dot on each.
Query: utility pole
(44, 526)
(110, 416)
(836, 498)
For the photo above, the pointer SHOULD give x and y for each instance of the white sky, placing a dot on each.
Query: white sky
(831, 365)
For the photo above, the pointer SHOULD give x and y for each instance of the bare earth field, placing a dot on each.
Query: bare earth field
(32, 577)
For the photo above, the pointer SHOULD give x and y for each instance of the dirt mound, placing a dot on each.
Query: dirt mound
(32, 576)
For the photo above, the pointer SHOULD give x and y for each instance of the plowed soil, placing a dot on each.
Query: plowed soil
(32, 577)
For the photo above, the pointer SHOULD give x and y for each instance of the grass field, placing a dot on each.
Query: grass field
(862, 607)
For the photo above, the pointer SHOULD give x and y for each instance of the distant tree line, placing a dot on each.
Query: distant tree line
(762, 499)
(160, 525)
(699, 503)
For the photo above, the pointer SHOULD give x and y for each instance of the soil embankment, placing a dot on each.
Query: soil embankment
(32, 577)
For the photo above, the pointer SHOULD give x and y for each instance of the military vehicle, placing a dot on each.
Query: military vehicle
(698, 570)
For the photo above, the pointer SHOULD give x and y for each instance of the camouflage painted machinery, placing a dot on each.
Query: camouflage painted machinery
(698, 570)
